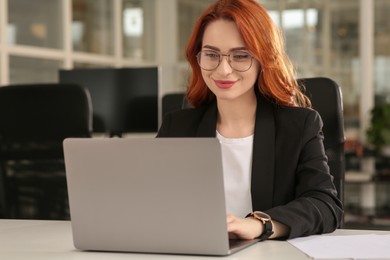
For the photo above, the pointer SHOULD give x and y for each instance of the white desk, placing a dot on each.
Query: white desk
(52, 240)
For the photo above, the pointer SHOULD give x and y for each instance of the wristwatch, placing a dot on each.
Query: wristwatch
(266, 220)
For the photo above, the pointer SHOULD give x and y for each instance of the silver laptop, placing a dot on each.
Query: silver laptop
(148, 195)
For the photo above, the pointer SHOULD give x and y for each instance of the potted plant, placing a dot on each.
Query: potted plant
(378, 134)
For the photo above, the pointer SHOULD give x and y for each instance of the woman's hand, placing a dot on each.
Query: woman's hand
(250, 228)
(243, 228)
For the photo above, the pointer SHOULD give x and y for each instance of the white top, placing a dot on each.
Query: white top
(237, 169)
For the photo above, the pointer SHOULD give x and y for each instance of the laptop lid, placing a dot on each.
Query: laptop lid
(163, 195)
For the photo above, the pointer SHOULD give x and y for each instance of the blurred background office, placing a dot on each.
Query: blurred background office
(346, 40)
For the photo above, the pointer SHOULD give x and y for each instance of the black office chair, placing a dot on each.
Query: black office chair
(326, 98)
(34, 120)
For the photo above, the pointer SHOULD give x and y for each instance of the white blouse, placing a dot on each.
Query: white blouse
(237, 169)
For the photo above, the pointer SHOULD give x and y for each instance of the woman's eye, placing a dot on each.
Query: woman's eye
(212, 55)
(241, 56)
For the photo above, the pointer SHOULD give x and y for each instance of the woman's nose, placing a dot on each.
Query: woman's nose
(224, 65)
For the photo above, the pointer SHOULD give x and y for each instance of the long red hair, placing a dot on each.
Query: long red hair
(277, 80)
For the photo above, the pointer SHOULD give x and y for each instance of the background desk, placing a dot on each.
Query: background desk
(52, 240)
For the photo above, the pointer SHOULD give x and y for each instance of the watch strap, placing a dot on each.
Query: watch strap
(268, 227)
(267, 231)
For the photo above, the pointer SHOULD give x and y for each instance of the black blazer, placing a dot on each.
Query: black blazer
(290, 174)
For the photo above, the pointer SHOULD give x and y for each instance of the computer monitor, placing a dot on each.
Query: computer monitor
(124, 100)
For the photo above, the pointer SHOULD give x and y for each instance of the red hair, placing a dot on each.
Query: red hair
(263, 40)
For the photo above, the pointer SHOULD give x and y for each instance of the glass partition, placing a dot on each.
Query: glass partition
(35, 23)
(92, 26)
(382, 51)
(188, 12)
(322, 39)
(138, 29)
(32, 70)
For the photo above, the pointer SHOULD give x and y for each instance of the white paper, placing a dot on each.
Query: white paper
(369, 246)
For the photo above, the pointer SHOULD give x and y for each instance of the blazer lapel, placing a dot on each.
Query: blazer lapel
(208, 123)
(263, 156)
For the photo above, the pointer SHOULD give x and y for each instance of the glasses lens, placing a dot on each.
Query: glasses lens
(208, 60)
(240, 60)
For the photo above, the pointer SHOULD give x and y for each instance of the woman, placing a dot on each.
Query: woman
(244, 92)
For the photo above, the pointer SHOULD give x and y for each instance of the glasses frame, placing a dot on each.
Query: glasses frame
(221, 55)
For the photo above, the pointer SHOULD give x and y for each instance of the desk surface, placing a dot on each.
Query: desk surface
(44, 240)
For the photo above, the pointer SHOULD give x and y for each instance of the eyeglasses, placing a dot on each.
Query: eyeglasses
(238, 60)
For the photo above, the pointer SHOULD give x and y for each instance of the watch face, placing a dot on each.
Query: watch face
(262, 215)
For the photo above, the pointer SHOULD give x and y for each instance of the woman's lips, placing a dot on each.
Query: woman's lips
(224, 83)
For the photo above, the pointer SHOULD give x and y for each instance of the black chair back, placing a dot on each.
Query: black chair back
(326, 98)
(38, 117)
(34, 121)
